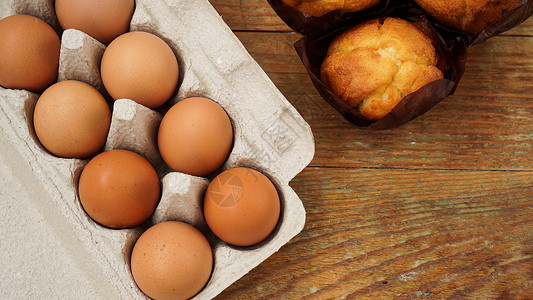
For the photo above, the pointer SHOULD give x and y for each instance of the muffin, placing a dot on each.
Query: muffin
(320, 7)
(374, 65)
(467, 15)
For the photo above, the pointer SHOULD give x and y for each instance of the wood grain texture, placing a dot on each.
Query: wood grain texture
(407, 233)
(250, 15)
(441, 207)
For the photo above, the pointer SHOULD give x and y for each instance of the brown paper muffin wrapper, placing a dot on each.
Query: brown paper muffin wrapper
(316, 25)
(508, 20)
(451, 46)
(452, 59)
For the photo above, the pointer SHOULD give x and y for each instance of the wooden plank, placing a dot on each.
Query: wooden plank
(257, 15)
(438, 208)
(407, 233)
(486, 125)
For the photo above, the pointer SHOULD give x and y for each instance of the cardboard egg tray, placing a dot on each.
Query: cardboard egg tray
(269, 135)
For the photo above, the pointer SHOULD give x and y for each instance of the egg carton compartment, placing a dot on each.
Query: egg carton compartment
(269, 136)
(42, 9)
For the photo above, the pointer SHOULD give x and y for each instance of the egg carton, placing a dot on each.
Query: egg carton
(269, 136)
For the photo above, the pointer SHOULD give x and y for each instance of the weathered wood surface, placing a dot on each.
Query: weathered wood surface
(440, 207)
(408, 233)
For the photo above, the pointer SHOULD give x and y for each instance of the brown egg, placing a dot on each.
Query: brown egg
(241, 206)
(119, 189)
(104, 20)
(195, 136)
(72, 119)
(171, 260)
(29, 53)
(140, 66)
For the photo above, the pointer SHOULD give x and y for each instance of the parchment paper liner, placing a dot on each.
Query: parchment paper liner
(316, 25)
(451, 44)
(452, 59)
(509, 20)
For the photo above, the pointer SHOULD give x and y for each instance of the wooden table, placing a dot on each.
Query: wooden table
(439, 207)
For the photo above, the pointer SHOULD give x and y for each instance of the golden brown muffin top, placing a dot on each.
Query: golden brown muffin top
(320, 7)
(375, 64)
(467, 15)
